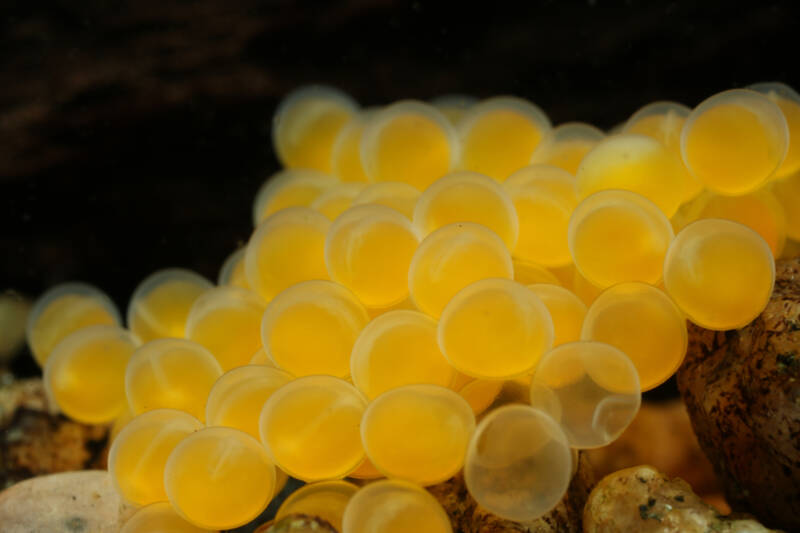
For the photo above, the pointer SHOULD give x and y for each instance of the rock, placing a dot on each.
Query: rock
(72, 502)
(742, 391)
(644, 500)
(35, 441)
(469, 517)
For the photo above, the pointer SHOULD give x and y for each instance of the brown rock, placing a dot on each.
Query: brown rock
(644, 500)
(742, 391)
(73, 502)
(34, 441)
(469, 517)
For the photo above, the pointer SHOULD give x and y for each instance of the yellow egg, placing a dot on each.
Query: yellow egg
(451, 258)
(227, 321)
(85, 374)
(465, 196)
(306, 125)
(368, 249)
(219, 478)
(310, 328)
(65, 309)
(311, 428)
(160, 304)
(287, 248)
(410, 142)
(499, 135)
(734, 141)
(720, 273)
(170, 373)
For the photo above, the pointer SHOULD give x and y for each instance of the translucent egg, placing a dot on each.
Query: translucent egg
(787, 192)
(369, 249)
(306, 124)
(451, 258)
(465, 196)
(170, 373)
(640, 164)
(232, 271)
(160, 304)
(734, 141)
(495, 328)
(454, 106)
(760, 211)
(617, 236)
(395, 349)
(139, 454)
(346, 156)
(788, 101)
(662, 120)
(566, 145)
(239, 395)
(227, 321)
(410, 142)
(566, 310)
(311, 428)
(158, 518)
(337, 199)
(399, 196)
(529, 273)
(499, 135)
(518, 463)
(287, 248)
(720, 273)
(645, 324)
(62, 310)
(325, 499)
(418, 433)
(544, 197)
(85, 373)
(394, 506)
(219, 478)
(590, 388)
(310, 328)
(298, 187)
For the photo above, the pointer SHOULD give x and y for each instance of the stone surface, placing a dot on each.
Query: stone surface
(742, 391)
(70, 502)
(644, 500)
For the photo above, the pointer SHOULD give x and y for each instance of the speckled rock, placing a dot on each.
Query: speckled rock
(643, 500)
(742, 391)
(70, 502)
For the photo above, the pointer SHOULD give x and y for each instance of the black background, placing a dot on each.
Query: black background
(133, 136)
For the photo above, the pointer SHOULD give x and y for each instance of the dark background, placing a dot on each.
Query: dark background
(133, 136)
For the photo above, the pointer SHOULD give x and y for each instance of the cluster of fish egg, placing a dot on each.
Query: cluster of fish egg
(430, 289)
